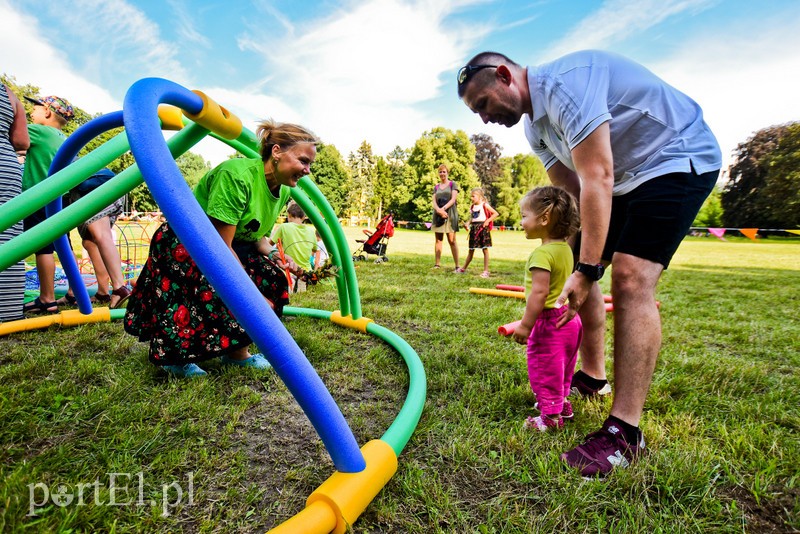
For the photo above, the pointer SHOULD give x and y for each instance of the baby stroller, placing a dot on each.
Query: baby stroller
(376, 241)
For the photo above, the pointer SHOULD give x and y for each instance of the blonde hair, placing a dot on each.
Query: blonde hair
(283, 134)
(561, 207)
(480, 193)
(443, 166)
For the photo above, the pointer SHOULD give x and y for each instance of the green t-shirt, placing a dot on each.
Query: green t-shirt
(299, 241)
(236, 193)
(556, 258)
(45, 142)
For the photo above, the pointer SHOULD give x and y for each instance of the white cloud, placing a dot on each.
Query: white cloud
(745, 75)
(186, 25)
(38, 63)
(744, 78)
(358, 74)
(617, 20)
(125, 44)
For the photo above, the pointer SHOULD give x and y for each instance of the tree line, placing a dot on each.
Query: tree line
(763, 189)
(369, 185)
(192, 166)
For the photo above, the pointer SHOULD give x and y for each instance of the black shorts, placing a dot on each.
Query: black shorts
(32, 220)
(651, 221)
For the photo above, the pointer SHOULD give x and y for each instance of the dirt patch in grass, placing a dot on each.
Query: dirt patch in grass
(771, 515)
(285, 457)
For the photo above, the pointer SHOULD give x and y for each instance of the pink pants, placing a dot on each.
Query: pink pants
(552, 355)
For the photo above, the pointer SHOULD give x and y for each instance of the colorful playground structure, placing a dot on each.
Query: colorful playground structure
(153, 104)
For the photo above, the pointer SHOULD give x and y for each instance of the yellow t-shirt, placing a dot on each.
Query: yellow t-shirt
(556, 258)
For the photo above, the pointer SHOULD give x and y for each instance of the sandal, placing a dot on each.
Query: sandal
(485, 274)
(37, 306)
(123, 293)
(100, 299)
(67, 300)
(256, 361)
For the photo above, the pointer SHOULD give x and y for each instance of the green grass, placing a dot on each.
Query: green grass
(722, 418)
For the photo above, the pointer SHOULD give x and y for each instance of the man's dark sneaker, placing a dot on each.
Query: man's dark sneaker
(580, 386)
(602, 451)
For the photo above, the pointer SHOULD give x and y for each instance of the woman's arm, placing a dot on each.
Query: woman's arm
(436, 208)
(492, 214)
(453, 199)
(540, 288)
(226, 232)
(267, 247)
(18, 134)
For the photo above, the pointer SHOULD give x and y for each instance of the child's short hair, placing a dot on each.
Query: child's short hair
(295, 210)
(559, 204)
(479, 191)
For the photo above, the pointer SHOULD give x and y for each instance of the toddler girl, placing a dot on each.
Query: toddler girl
(480, 237)
(550, 214)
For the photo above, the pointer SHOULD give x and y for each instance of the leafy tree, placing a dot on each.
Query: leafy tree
(782, 191)
(764, 186)
(710, 214)
(402, 178)
(438, 146)
(191, 165)
(521, 173)
(487, 163)
(362, 165)
(331, 176)
(384, 187)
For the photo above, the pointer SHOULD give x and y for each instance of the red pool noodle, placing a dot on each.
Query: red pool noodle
(509, 288)
(508, 329)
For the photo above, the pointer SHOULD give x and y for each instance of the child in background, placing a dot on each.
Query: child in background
(321, 254)
(480, 236)
(550, 214)
(298, 240)
(48, 118)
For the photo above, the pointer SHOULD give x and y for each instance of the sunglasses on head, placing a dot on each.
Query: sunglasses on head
(466, 72)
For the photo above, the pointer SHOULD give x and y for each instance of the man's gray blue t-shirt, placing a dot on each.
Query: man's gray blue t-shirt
(655, 129)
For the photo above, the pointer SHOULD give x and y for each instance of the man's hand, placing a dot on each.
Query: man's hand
(575, 292)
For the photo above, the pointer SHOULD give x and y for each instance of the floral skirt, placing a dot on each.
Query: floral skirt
(175, 308)
(479, 236)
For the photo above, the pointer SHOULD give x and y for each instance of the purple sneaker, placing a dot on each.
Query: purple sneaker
(602, 451)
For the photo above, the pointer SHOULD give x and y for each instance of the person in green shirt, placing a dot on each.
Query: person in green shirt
(49, 116)
(173, 306)
(299, 241)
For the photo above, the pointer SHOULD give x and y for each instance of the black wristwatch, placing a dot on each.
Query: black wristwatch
(592, 272)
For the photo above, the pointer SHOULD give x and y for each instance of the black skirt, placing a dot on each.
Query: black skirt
(175, 308)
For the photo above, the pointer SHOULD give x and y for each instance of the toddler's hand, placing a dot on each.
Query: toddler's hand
(521, 334)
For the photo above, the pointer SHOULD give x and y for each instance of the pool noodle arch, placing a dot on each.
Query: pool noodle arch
(339, 501)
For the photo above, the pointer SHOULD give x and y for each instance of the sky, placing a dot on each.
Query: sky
(383, 71)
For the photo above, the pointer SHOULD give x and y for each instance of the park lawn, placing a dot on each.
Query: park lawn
(722, 419)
